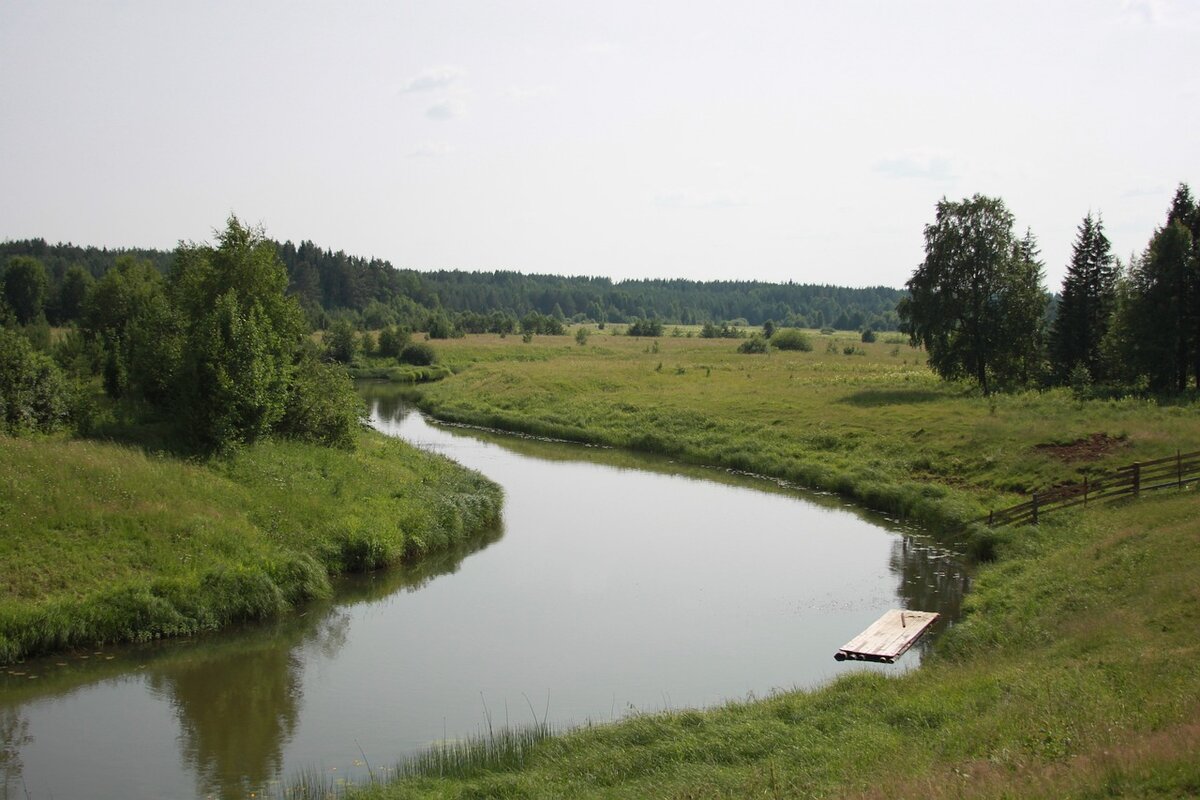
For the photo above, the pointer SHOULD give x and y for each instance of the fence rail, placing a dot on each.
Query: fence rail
(1173, 471)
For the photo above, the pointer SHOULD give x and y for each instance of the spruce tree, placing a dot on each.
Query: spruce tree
(1086, 304)
(1165, 307)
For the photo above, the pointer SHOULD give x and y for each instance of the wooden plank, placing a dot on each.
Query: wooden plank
(888, 637)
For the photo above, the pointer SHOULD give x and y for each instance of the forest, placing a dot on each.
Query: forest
(371, 293)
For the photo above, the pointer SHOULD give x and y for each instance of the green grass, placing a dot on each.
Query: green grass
(878, 427)
(107, 543)
(1073, 673)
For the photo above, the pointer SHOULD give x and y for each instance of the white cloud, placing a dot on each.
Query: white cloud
(600, 48)
(524, 94)
(926, 166)
(430, 150)
(433, 78)
(446, 109)
(685, 199)
(1147, 11)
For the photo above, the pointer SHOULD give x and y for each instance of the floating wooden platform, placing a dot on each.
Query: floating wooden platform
(888, 638)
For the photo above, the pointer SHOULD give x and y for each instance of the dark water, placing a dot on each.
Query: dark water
(618, 582)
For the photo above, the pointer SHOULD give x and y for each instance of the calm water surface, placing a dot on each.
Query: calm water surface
(618, 582)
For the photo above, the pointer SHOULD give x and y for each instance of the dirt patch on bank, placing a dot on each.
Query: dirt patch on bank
(1089, 448)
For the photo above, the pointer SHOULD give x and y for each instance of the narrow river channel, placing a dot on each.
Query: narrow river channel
(618, 583)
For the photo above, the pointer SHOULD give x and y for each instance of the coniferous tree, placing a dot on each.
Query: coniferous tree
(1164, 309)
(1086, 305)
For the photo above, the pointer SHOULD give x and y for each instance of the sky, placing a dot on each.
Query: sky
(780, 141)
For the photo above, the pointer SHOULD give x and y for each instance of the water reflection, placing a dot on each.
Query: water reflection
(14, 734)
(237, 697)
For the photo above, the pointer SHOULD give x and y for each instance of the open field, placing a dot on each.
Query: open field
(876, 425)
(106, 543)
(1073, 674)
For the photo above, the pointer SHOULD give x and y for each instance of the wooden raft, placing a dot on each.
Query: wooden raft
(888, 638)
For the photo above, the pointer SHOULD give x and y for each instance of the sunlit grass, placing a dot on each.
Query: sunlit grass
(106, 543)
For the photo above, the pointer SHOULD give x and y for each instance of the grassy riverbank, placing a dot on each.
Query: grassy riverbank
(105, 543)
(1073, 674)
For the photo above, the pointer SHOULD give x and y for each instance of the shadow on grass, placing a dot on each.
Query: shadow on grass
(870, 398)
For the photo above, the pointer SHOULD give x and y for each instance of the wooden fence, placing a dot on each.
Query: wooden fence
(1144, 476)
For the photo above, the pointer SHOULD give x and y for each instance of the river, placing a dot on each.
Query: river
(617, 583)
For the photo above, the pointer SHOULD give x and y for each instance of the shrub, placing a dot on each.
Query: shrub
(581, 336)
(418, 354)
(322, 406)
(755, 344)
(645, 327)
(392, 341)
(33, 394)
(340, 342)
(868, 336)
(791, 339)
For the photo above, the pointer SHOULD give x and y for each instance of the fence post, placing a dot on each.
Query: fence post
(1179, 468)
(1035, 519)
(990, 515)
(1137, 479)
(1085, 491)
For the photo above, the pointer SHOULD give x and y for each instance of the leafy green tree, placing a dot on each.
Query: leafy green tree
(129, 315)
(392, 341)
(581, 336)
(975, 301)
(1087, 301)
(25, 283)
(341, 343)
(241, 334)
(73, 294)
(768, 329)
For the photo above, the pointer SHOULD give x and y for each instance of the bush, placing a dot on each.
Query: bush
(392, 341)
(792, 339)
(322, 406)
(868, 336)
(418, 354)
(581, 336)
(645, 327)
(341, 342)
(755, 344)
(33, 394)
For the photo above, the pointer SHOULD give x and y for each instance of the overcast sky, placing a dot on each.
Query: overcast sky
(780, 141)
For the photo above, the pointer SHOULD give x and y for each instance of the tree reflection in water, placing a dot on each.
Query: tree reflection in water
(931, 579)
(14, 734)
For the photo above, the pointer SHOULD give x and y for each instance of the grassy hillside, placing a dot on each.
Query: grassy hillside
(106, 543)
(1073, 674)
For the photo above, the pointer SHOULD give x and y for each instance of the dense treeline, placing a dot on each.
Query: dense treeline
(978, 305)
(373, 294)
(672, 301)
(217, 347)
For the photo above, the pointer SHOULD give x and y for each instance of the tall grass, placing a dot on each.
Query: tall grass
(105, 543)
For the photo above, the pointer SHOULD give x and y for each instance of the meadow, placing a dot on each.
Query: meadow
(1072, 674)
(106, 542)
